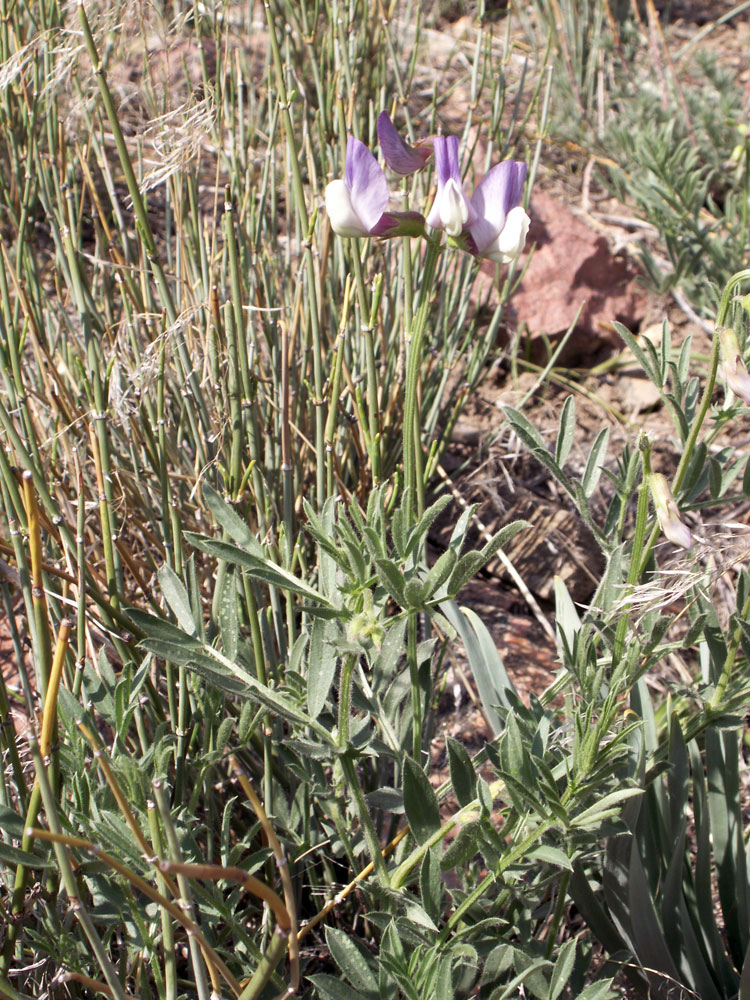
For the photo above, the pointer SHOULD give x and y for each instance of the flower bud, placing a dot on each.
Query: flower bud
(668, 513)
(365, 627)
(733, 368)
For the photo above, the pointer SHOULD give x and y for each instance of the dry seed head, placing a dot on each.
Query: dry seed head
(174, 140)
(720, 549)
(63, 47)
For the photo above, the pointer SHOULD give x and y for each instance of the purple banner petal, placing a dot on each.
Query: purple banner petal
(400, 157)
(367, 183)
(446, 159)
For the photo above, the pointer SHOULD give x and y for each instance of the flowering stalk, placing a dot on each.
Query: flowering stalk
(412, 431)
(705, 404)
(667, 512)
(413, 468)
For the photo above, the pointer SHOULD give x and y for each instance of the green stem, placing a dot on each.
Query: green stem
(174, 854)
(505, 862)
(368, 316)
(144, 226)
(69, 878)
(21, 881)
(338, 356)
(637, 564)
(350, 771)
(721, 318)
(259, 657)
(167, 930)
(726, 671)
(267, 965)
(305, 226)
(411, 429)
(562, 897)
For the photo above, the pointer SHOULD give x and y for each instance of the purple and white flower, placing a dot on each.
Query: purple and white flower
(451, 210)
(501, 225)
(494, 221)
(356, 205)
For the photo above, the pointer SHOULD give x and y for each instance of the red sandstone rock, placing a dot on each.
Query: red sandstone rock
(572, 265)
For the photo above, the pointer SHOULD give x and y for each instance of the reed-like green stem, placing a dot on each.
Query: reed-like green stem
(174, 854)
(414, 338)
(338, 359)
(68, 876)
(300, 205)
(267, 965)
(167, 930)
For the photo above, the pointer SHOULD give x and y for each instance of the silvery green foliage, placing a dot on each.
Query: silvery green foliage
(457, 912)
(649, 895)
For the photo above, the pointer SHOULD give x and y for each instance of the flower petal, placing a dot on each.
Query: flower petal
(511, 241)
(446, 159)
(667, 512)
(400, 157)
(344, 220)
(496, 195)
(732, 366)
(737, 378)
(451, 209)
(366, 182)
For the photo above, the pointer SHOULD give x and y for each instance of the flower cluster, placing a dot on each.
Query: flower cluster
(492, 223)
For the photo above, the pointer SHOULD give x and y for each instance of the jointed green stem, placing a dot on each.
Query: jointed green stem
(414, 340)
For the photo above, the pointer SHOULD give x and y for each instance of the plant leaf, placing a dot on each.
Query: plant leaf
(177, 598)
(463, 777)
(595, 462)
(566, 430)
(347, 955)
(420, 802)
(321, 668)
(260, 569)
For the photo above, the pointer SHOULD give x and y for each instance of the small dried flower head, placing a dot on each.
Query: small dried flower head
(733, 368)
(668, 513)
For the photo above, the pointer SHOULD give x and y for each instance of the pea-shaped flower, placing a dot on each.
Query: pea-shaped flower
(668, 513)
(501, 224)
(732, 366)
(451, 209)
(356, 205)
(494, 222)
